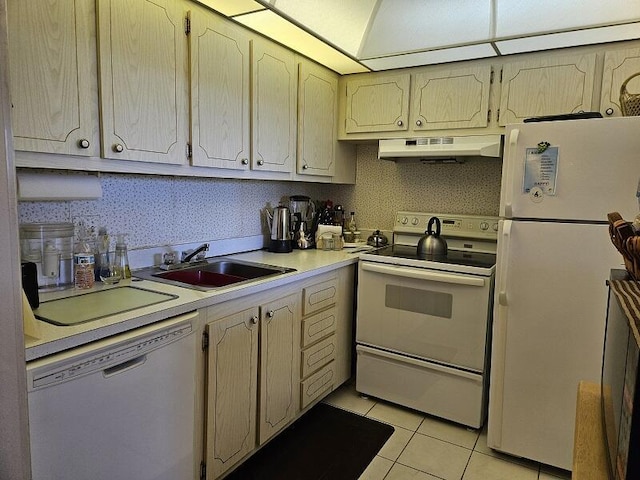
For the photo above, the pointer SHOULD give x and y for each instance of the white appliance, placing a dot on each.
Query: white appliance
(119, 408)
(428, 149)
(554, 256)
(422, 325)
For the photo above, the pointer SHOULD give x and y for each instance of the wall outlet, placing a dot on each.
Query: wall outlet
(90, 222)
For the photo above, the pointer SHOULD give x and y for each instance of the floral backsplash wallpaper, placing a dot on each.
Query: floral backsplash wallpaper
(161, 210)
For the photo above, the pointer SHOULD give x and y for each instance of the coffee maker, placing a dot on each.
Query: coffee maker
(302, 212)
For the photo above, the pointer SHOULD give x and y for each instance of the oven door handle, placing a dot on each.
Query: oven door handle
(421, 274)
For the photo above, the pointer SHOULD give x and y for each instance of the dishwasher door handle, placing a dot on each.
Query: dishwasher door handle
(124, 366)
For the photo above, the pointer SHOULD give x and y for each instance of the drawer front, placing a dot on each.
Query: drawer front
(319, 296)
(318, 326)
(318, 355)
(317, 384)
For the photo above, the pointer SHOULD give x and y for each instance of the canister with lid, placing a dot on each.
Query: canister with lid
(50, 247)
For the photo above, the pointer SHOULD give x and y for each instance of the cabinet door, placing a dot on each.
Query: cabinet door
(546, 86)
(142, 47)
(52, 67)
(619, 65)
(274, 107)
(219, 95)
(377, 103)
(450, 98)
(317, 106)
(279, 364)
(232, 390)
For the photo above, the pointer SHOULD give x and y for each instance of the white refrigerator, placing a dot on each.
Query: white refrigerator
(559, 181)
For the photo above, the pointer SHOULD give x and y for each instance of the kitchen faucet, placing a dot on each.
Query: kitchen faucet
(187, 257)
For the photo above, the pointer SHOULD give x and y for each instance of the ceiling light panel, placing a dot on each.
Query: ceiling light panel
(232, 7)
(414, 25)
(570, 39)
(445, 55)
(277, 28)
(342, 23)
(526, 17)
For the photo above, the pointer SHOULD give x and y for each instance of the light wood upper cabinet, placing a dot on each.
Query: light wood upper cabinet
(53, 76)
(619, 65)
(546, 85)
(143, 80)
(377, 103)
(220, 102)
(274, 90)
(317, 117)
(232, 389)
(450, 98)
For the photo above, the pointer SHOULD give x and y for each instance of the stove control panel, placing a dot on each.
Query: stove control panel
(465, 226)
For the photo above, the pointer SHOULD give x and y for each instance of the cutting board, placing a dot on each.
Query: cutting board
(94, 305)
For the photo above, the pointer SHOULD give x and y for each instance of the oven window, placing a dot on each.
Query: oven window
(415, 300)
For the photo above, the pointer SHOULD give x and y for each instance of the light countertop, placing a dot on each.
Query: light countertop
(52, 338)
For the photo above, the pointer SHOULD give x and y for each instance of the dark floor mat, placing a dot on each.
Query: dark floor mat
(327, 443)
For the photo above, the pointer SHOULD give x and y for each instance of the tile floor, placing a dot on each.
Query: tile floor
(426, 448)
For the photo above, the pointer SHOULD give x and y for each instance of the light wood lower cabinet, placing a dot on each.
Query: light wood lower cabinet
(247, 347)
(268, 357)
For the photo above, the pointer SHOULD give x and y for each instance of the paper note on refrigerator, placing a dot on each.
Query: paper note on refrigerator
(541, 170)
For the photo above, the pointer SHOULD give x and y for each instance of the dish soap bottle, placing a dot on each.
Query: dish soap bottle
(122, 257)
(83, 261)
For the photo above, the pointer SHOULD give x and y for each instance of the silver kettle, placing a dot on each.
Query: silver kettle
(432, 245)
(280, 228)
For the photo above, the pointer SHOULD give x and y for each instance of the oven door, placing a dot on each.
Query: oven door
(428, 314)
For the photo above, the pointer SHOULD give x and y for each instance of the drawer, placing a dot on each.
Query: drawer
(317, 384)
(319, 296)
(318, 355)
(318, 326)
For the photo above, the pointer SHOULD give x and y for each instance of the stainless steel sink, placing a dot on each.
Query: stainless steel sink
(211, 273)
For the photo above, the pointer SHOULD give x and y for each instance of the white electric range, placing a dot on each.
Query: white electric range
(423, 325)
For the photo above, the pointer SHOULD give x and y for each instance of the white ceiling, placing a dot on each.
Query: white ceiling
(352, 36)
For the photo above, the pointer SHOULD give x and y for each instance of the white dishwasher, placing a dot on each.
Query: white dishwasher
(119, 408)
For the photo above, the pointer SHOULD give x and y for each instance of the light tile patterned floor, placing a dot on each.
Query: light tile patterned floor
(426, 448)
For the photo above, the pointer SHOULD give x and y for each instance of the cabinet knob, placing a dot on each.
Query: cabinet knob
(418, 122)
(609, 111)
(83, 143)
(245, 161)
(399, 123)
(270, 313)
(118, 148)
(260, 162)
(305, 166)
(254, 319)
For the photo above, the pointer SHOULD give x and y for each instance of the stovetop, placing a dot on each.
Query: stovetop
(471, 243)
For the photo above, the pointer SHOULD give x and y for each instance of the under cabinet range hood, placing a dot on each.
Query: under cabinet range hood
(440, 149)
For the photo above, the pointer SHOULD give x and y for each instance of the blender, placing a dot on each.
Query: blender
(302, 212)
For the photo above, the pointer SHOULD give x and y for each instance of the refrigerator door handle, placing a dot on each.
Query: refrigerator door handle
(508, 200)
(499, 343)
(503, 266)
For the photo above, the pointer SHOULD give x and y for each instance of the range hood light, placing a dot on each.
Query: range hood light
(444, 149)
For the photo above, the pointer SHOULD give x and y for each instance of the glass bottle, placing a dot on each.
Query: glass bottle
(122, 257)
(351, 226)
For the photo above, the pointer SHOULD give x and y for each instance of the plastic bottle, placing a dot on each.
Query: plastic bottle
(83, 261)
(122, 256)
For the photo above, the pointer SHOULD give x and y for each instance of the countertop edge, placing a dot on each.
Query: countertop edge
(57, 339)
